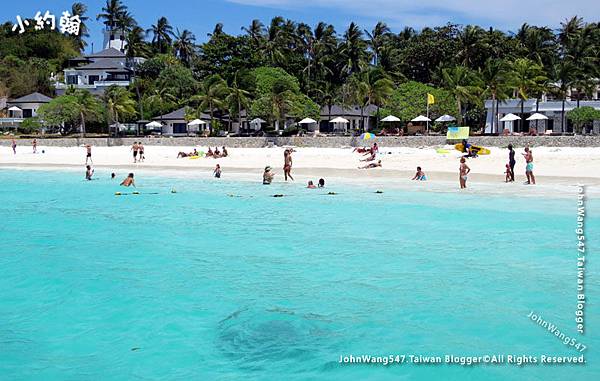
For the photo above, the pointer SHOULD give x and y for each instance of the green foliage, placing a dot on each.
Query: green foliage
(410, 99)
(583, 116)
(30, 125)
(267, 77)
(60, 110)
(178, 81)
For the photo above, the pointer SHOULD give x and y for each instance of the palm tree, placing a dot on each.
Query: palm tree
(563, 75)
(238, 98)
(373, 87)
(118, 103)
(79, 9)
(281, 99)
(87, 106)
(353, 49)
(274, 43)
(526, 78)
(136, 47)
(213, 91)
(471, 44)
(112, 12)
(162, 33)
(185, 46)
(255, 31)
(163, 98)
(495, 77)
(376, 39)
(464, 85)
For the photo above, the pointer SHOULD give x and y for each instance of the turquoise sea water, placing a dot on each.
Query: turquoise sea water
(199, 285)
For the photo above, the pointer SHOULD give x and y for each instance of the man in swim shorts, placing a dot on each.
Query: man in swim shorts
(88, 155)
(529, 166)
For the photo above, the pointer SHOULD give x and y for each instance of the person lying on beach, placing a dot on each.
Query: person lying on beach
(268, 176)
(128, 181)
(420, 175)
(311, 185)
(89, 173)
(361, 149)
(370, 158)
(217, 171)
(371, 165)
(183, 154)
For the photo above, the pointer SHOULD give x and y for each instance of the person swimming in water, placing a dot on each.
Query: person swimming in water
(89, 172)
(420, 175)
(311, 185)
(129, 181)
(321, 183)
(268, 176)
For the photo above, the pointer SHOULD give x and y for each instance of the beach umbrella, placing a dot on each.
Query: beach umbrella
(509, 118)
(307, 121)
(367, 136)
(154, 124)
(390, 118)
(14, 108)
(537, 116)
(257, 121)
(339, 119)
(446, 118)
(196, 122)
(421, 118)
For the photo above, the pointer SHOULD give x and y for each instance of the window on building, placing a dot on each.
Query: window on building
(179, 128)
(27, 113)
(93, 79)
(72, 80)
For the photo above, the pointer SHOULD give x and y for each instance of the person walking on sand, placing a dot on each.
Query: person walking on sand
(463, 172)
(529, 166)
(88, 155)
(287, 164)
(511, 162)
(34, 145)
(141, 150)
(129, 181)
(134, 148)
(14, 146)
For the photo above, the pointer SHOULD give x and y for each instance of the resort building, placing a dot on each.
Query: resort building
(553, 110)
(176, 124)
(21, 108)
(352, 114)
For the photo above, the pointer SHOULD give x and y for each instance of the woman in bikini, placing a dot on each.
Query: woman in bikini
(463, 173)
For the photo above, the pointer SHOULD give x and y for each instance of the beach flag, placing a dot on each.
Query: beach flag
(430, 99)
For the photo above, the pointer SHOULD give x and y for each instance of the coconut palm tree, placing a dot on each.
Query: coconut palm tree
(495, 77)
(353, 50)
(238, 98)
(377, 39)
(185, 46)
(80, 9)
(163, 99)
(213, 91)
(464, 85)
(471, 45)
(112, 11)
(526, 79)
(118, 103)
(563, 75)
(273, 45)
(373, 87)
(162, 33)
(256, 31)
(87, 105)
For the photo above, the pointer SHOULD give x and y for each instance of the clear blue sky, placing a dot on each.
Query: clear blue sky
(200, 16)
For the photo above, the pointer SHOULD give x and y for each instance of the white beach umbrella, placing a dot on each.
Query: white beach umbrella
(307, 121)
(509, 118)
(339, 119)
(257, 121)
(154, 124)
(14, 108)
(196, 122)
(446, 118)
(390, 118)
(537, 116)
(421, 118)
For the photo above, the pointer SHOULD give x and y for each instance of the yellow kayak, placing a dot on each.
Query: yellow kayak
(480, 150)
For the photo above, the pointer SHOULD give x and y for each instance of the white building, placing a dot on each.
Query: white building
(175, 124)
(22, 108)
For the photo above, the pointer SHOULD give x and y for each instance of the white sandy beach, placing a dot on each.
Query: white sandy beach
(554, 167)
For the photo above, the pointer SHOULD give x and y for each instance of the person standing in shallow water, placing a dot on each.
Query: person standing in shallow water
(511, 162)
(463, 172)
(529, 166)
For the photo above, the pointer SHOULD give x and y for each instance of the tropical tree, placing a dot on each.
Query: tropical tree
(238, 99)
(255, 31)
(353, 50)
(112, 11)
(162, 99)
(583, 116)
(471, 46)
(527, 77)
(185, 47)
(563, 78)
(119, 104)
(376, 39)
(88, 106)
(213, 92)
(495, 77)
(464, 85)
(162, 33)
(372, 87)
(79, 9)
